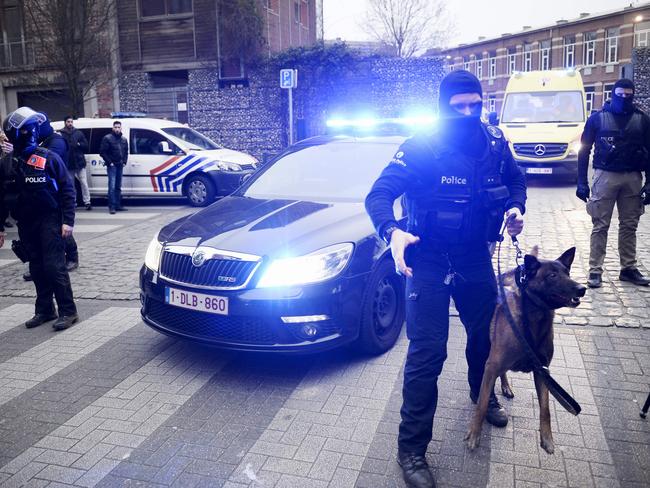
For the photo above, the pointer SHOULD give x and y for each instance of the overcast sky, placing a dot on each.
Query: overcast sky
(473, 17)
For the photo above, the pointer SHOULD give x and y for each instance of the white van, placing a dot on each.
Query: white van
(166, 159)
(543, 116)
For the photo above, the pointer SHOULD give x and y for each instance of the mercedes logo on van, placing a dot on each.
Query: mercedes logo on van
(540, 149)
(198, 258)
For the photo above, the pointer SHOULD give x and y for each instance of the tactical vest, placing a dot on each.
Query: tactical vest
(620, 149)
(38, 192)
(460, 199)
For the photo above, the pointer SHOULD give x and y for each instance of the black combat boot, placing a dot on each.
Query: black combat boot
(65, 322)
(496, 414)
(39, 319)
(595, 280)
(633, 275)
(415, 470)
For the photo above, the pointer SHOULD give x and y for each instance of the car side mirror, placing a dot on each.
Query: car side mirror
(165, 148)
(493, 118)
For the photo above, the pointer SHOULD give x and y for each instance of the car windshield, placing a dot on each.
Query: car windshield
(190, 138)
(342, 171)
(530, 108)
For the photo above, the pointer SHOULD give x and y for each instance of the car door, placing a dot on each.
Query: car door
(151, 156)
(95, 169)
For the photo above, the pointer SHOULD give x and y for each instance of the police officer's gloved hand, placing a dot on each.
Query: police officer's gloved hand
(582, 192)
(645, 193)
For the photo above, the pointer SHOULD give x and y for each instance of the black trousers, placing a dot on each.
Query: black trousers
(45, 245)
(71, 251)
(474, 292)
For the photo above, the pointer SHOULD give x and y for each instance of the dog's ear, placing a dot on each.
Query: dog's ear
(531, 264)
(567, 257)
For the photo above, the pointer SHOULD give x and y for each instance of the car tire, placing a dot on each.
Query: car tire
(200, 190)
(383, 309)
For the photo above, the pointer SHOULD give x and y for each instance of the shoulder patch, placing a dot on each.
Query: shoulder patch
(397, 159)
(37, 161)
(494, 131)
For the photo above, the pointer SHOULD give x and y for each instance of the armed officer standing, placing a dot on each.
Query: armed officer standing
(44, 210)
(458, 182)
(620, 134)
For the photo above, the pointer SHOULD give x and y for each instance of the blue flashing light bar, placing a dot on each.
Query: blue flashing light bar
(414, 121)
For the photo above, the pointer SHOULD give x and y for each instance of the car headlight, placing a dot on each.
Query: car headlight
(574, 147)
(226, 166)
(318, 266)
(152, 256)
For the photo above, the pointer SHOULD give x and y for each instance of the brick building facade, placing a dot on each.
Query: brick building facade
(599, 45)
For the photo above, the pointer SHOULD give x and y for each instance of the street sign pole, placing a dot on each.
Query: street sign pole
(289, 81)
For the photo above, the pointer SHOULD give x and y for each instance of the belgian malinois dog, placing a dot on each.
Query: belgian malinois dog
(548, 287)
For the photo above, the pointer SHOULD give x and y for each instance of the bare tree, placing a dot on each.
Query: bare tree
(409, 26)
(74, 45)
(241, 27)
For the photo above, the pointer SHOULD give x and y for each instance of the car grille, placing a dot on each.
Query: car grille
(207, 326)
(229, 328)
(532, 150)
(222, 273)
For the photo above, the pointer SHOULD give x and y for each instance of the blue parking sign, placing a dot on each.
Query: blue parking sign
(288, 78)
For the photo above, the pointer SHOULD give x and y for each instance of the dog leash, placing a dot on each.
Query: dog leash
(560, 394)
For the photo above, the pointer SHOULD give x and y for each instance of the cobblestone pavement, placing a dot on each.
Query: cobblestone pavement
(110, 402)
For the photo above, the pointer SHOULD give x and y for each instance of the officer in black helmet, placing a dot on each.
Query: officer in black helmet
(44, 209)
(458, 183)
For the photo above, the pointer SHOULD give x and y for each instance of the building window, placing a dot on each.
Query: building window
(611, 45)
(545, 55)
(479, 67)
(15, 50)
(466, 63)
(528, 57)
(492, 65)
(157, 8)
(569, 51)
(492, 103)
(472, 63)
(590, 95)
(589, 48)
(512, 60)
(296, 12)
(642, 34)
(607, 92)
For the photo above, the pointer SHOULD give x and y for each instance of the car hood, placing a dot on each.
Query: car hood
(226, 155)
(543, 133)
(270, 227)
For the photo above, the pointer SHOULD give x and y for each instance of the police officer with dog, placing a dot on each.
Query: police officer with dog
(458, 183)
(43, 204)
(620, 135)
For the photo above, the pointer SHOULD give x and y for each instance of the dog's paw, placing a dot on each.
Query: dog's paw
(473, 439)
(507, 391)
(548, 445)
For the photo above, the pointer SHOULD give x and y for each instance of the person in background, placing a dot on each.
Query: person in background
(114, 150)
(77, 147)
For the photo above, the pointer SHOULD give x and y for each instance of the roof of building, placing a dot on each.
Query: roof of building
(583, 17)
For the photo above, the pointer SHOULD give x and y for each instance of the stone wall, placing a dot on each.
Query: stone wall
(255, 118)
(641, 62)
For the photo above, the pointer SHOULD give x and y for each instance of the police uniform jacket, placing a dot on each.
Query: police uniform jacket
(44, 185)
(452, 199)
(621, 142)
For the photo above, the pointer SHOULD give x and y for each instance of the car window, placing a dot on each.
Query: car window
(195, 140)
(341, 171)
(96, 136)
(150, 142)
(563, 106)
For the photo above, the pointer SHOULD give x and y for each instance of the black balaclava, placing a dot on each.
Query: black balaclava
(622, 105)
(456, 125)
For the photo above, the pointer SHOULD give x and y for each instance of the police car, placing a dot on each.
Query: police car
(166, 159)
(288, 262)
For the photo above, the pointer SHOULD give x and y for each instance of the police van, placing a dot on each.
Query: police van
(543, 115)
(166, 159)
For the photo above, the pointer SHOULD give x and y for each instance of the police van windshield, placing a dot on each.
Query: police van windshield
(537, 107)
(333, 172)
(190, 138)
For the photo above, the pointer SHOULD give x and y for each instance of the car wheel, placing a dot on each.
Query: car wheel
(199, 190)
(383, 309)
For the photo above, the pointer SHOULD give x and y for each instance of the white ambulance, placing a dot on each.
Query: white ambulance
(166, 159)
(543, 115)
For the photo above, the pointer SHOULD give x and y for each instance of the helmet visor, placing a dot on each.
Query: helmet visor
(24, 116)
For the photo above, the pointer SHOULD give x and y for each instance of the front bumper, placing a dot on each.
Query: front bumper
(254, 320)
(564, 167)
(227, 182)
